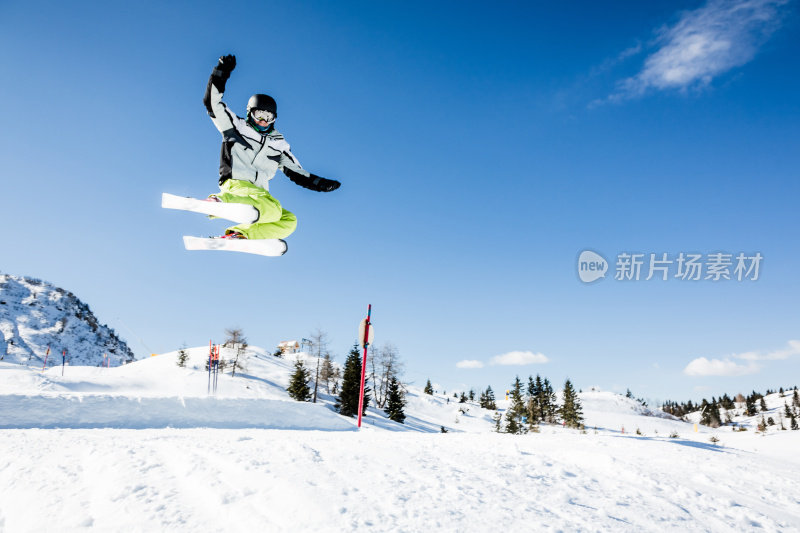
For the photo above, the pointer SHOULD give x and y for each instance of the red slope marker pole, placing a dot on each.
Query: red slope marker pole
(365, 340)
(63, 360)
(210, 353)
(216, 367)
(45, 358)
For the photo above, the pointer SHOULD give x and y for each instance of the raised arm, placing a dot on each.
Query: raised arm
(217, 110)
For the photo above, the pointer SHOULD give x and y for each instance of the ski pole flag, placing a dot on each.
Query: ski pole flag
(365, 335)
(63, 360)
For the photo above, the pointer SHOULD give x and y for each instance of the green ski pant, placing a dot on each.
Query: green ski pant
(274, 222)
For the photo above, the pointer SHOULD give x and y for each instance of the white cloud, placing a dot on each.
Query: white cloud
(469, 363)
(704, 43)
(519, 358)
(610, 63)
(718, 367)
(791, 350)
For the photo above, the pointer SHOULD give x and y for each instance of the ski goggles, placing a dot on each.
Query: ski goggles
(261, 115)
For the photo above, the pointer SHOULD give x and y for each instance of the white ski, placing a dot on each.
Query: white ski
(239, 213)
(270, 247)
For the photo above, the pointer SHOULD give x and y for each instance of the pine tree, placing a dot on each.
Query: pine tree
(750, 406)
(763, 405)
(498, 422)
(298, 383)
(472, 395)
(539, 402)
(549, 403)
(796, 399)
(462, 398)
(395, 402)
(705, 414)
(511, 423)
(571, 412)
(710, 413)
(716, 417)
(727, 402)
(490, 401)
(183, 355)
(347, 402)
(793, 423)
(516, 410)
(428, 388)
(532, 403)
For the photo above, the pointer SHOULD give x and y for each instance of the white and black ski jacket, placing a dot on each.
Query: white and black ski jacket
(249, 155)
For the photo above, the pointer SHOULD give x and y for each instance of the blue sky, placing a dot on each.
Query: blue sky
(480, 150)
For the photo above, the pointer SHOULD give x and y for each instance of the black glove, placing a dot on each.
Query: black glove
(226, 64)
(326, 185)
(312, 182)
(219, 76)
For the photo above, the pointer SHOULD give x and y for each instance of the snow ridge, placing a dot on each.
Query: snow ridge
(35, 315)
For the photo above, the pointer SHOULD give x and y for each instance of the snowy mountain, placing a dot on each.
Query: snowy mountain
(35, 315)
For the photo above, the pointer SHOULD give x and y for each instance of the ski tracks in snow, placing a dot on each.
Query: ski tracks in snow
(375, 481)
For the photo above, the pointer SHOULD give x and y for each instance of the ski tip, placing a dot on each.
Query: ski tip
(168, 199)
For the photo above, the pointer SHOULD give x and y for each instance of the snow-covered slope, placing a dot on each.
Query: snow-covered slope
(165, 455)
(35, 315)
(156, 392)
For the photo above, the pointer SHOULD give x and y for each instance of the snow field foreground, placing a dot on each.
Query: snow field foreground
(144, 447)
(266, 480)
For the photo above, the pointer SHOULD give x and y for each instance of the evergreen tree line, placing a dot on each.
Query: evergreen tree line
(464, 397)
(536, 404)
(530, 406)
(348, 392)
(751, 404)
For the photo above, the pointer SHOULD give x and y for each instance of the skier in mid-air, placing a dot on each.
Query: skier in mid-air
(252, 152)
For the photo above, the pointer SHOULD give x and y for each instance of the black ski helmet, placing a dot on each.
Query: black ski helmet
(264, 102)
